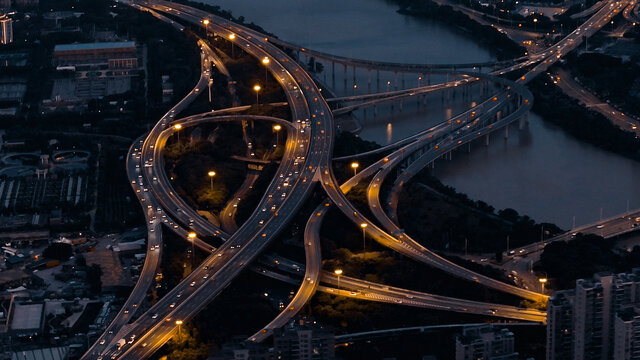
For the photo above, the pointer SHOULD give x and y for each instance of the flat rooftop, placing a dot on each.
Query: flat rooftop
(12, 274)
(26, 316)
(95, 46)
(54, 353)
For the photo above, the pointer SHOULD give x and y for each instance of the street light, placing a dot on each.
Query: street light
(542, 282)
(364, 243)
(210, 84)
(192, 238)
(265, 62)
(206, 26)
(177, 127)
(354, 166)
(211, 175)
(338, 272)
(355, 87)
(257, 88)
(233, 48)
(535, 25)
(277, 129)
(179, 323)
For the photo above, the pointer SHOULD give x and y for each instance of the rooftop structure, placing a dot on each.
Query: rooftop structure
(26, 319)
(94, 70)
(485, 342)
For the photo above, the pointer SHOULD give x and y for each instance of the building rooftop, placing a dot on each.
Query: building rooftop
(95, 46)
(55, 353)
(27, 316)
(12, 274)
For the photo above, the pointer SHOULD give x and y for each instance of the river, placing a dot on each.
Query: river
(540, 171)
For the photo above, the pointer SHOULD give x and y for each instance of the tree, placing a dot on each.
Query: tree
(80, 260)
(58, 251)
(94, 273)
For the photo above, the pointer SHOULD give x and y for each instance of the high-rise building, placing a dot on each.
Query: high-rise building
(581, 322)
(560, 326)
(6, 30)
(626, 344)
(303, 339)
(485, 342)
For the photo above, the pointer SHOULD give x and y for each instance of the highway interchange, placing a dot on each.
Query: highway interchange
(308, 158)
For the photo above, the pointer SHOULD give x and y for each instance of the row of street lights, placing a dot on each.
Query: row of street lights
(265, 61)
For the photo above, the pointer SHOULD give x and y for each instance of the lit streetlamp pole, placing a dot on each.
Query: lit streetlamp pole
(542, 282)
(277, 129)
(364, 238)
(535, 25)
(338, 272)
(192, 238)
(265, 62)
(179, 323)
(257, 88)
(211, 175)
(210, 85)
(177, 127)
(206, 26)
(233, 48)
(354, 166)
(355, 87)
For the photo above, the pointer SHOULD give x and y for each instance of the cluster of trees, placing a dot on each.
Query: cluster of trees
(490, 37)
(189, 161)
(439, 217)
(584, 124)
(599, 72)
(58, 251)
(581, 257)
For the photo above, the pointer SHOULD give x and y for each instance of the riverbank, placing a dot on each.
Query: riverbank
(498, 42)
(582, 123)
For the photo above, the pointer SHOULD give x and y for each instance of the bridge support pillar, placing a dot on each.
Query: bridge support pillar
(354, 77)
(402, 81)
(469, 147)
(368, 81)
(400, 105)
(375, 110)
(344, 78)
(521, 123)
(486, 140)
(377, 80)
(395, 80)
(506, 132)
(333, 75)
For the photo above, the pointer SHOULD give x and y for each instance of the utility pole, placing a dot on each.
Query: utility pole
(507, 245)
